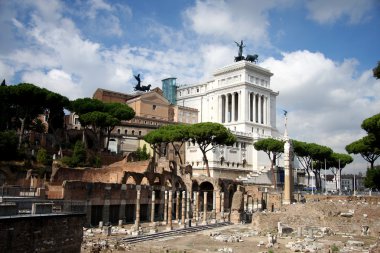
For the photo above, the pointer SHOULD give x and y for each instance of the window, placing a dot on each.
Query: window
(139, 132)
(118, 131)
(133, 132)
(125, 131)
(154, 107)
(76, 121)
(197, 90)
(180, 93)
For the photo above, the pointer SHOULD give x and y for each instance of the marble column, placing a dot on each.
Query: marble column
(222, 205)
(183, 208)
(213, 206)
(166, 208)
(226, 108)
(233, 107)
(188, 205)
(177, 206)
(205, 208)
(169, 225)
(217, 217)
(197, 207)
(123, 203)
(220, 109)
(153, 206)
(137, 220)
(259, 108)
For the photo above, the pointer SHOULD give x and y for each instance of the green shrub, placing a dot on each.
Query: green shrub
(8, 145)
(43, 157)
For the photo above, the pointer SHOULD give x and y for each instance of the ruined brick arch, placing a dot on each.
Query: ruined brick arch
(168, 183)
(131, 180)
(144, 181)
(230, 193)
(156, 181)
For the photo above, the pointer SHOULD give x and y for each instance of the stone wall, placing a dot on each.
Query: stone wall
(45, 233)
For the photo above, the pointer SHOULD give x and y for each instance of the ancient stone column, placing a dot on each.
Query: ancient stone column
(166, 208)
(153, 206)
(288, 169)
(188, 206)
(123, 202)
(177, 206)
(106, 211)
(246, 202)
(169, 225)
(196, 206)
(183, 208)
(213, 207)
(217, 205)
(137, 220)
(205, 208)
(88, 211)
(222, 205)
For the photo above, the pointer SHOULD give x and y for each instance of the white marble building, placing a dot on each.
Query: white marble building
(239, 97)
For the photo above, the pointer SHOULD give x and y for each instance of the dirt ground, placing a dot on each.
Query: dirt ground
(326, 227)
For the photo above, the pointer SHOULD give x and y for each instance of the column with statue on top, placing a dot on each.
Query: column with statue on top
(288, 166)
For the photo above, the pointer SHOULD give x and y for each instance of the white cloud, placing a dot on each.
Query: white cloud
(327, 11)
(54, 80)
(234, 20)
(325, 100)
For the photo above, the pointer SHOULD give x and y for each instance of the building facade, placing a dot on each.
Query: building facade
(238, 96)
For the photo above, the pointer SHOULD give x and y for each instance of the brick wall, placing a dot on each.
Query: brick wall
(45, 233)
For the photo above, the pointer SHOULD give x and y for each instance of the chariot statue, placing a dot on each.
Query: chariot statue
(139, 87)
(240, 57)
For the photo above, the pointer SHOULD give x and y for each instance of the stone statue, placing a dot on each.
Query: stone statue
(140, 87)
(241, 46)
(252, 58)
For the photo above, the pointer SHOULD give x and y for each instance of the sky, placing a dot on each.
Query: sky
(321, 52)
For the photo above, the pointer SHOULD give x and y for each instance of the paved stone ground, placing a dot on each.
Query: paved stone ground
(326, 227)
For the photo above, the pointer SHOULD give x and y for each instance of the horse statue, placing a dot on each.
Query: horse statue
(252, 58)
(145, 88)
(138, 85)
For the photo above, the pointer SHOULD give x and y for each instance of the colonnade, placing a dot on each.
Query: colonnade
(185, 210)
(233, 107)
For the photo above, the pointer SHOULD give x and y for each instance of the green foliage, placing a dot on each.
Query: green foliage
(99, 115)
(334, 248)
(8, 145)
(43, 157)
(79, 156)
(207, 135)
(142, 153)
(368, 146)
(376, 71)
(174, 134)
(372, 179)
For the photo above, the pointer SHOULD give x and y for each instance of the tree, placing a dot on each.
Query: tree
(372, 179)
(79, 156)
(309, 153)
(8, 145)
(273, 148)
(28, 101)
(376, 71)
(366, 148)
(142, 153)
(155, 139)
(207, 135)
(338, 161)
(117, 112)
(97, 115)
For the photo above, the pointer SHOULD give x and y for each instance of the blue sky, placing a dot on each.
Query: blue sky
(320, 51)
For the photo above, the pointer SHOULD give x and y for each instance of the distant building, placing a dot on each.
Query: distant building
(238, 96)
(169, 88)
(152, 110)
